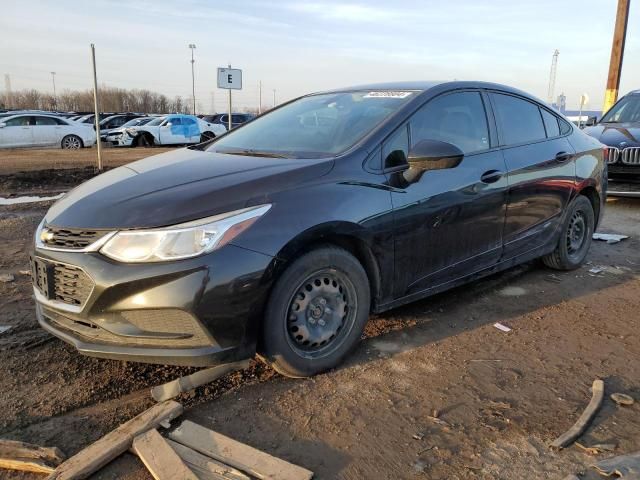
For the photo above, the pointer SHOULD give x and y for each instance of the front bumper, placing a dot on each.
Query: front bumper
(198, 312)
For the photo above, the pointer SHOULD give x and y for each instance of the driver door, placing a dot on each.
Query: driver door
(171, 131)
(449, 223)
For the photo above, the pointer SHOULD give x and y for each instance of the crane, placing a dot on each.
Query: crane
(552, 76)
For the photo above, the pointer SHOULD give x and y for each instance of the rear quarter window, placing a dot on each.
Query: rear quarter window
(550, 123)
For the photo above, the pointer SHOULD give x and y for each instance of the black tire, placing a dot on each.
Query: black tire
(206, 136)
(143, 140)
(295, 341)
(71, 142)
(575, 236)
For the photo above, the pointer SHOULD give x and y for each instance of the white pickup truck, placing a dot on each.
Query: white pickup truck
(172, 129)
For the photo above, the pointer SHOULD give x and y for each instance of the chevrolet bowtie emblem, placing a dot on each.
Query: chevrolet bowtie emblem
(46, 235)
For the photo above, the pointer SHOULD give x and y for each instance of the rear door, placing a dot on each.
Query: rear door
(541, 170)
(449, 223)
(46, 131)
(17, 132)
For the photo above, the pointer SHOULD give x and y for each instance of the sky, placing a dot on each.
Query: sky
(297, 47)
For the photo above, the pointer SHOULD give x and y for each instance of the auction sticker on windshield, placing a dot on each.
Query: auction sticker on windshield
(387, 94)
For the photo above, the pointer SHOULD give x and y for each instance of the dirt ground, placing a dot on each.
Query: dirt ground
(21, 159)
(502, 396)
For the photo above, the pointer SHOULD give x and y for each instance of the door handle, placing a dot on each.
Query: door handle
(563, 156)
(491, 176)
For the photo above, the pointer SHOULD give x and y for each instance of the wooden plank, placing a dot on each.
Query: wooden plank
(238, 455)
(204, 467)
(180, 385)
(160, 459)
(113, 444)
(30, 458)
(581, 425)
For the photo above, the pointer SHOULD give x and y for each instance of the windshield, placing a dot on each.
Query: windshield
(135, 121)
(156, 121)
(313, 126)
(626, 110)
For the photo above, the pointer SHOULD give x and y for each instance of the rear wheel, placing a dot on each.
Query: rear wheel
(575, 237)
(204, 136)
(316, 313)
(71, 142)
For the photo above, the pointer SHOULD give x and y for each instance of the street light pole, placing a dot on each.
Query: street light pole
(192, 46)
(55, 101)
(260, 98)
(274, 98)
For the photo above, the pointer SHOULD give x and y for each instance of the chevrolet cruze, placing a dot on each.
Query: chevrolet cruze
(282, 236)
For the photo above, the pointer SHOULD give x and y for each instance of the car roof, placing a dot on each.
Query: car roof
(423, 86)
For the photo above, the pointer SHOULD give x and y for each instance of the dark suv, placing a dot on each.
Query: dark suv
(223, 119)
(619, 129)
(283, 235)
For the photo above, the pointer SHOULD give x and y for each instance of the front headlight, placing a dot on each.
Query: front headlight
(181, 241)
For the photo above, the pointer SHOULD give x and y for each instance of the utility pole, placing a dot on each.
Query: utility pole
(192, 46)
(7, 90)
(95, 105)
(213, 103)
(55, 101)
(260, 97)
(274, 98)
(229, 119)
(617, 52)
(552, 76)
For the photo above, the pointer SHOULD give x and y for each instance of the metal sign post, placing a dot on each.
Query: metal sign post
(230, 79)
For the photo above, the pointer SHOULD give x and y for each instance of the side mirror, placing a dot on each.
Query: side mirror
(168, 124)
(431, 155)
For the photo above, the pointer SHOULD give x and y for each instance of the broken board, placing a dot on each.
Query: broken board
(238, 455)
(30, 458)
(160, 459)
(204, 467)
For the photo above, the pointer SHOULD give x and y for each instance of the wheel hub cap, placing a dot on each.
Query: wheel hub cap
(576, 232)
(317, 312)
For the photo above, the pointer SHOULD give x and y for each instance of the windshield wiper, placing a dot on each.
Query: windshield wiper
(254, 153)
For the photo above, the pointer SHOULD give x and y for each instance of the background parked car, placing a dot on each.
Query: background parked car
(28, 130)
(223, 119)
(113, 135)
(619, 129)
(171, 130)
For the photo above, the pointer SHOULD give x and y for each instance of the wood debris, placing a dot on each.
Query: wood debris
(597, 448)
(30, 458)
(115, 443)
(235, 454)
(583, 422)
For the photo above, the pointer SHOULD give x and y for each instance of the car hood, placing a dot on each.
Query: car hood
(627, 134)
(179, 186)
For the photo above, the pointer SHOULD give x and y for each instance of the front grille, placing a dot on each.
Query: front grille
(631, 156)
(612, 155)
(71, 238)
(61, 282)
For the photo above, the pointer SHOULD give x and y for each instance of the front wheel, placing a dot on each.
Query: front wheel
(71, 142)
(316, 313)
(575, 237)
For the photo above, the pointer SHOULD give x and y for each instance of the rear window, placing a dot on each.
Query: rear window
(519, 119)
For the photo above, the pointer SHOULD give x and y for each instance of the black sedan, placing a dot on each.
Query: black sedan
(619, 129)
(282, 236)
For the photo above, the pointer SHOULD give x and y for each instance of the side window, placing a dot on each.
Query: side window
(457, 118)
(237, 118)
(45, 121)
(175, 121)
(520, 119)
(188, 121)
(59, 121)
(18, 122)
(396, 148)
(550, 123)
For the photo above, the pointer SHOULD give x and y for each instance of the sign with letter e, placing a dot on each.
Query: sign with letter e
(230, 78)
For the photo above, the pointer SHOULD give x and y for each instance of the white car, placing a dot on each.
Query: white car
(36, 130)
(175, 129)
